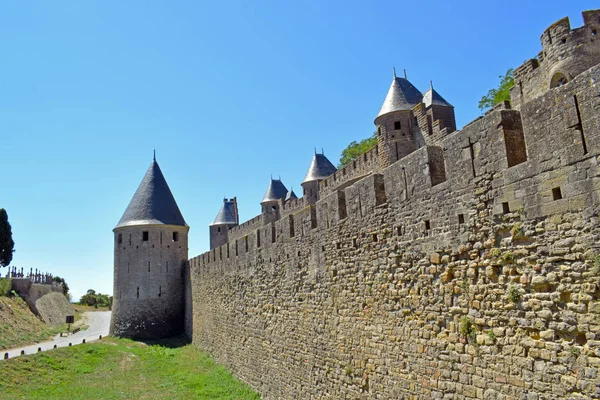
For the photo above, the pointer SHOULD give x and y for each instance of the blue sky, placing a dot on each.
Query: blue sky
(227, 92)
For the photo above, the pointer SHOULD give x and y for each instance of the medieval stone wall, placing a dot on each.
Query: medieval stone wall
(478, 283)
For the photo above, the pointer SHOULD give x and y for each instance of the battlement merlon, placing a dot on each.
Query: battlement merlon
(565, 54)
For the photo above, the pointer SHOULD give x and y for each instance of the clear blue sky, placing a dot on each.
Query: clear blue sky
(227, 92)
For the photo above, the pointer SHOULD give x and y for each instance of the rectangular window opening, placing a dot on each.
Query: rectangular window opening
(273, 234)
(461, 219)
(148, 266)
(246, 240)
(258, 238)
(556, 193)
(374, 237)
(338, 245)
(427, 225)
(505, 208)
(354, 243)
(399, 231)
(397, 125)
(145, 236)
(175, 236)
(120, 238)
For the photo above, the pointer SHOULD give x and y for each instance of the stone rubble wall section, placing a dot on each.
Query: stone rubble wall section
(483, 284)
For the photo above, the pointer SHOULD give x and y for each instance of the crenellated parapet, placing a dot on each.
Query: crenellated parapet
(430, 187)
(362, 166)
(565, 54)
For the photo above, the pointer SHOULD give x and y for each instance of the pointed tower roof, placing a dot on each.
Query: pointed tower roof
(152, 203)
(226, 215)
(432, 97)
(320, 168)
(290, 195)
(275, 191)
(401, 96)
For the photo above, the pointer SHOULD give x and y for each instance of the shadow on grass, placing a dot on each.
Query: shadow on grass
(171, 343)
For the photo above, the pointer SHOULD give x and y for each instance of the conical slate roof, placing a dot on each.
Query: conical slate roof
(320, 168)
(152, 203)
(290, 195)
(275, 191)
(226, 215)
(401, 96)
(432, 97)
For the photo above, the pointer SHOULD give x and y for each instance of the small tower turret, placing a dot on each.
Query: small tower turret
(320, 168)
(270, 202)
(395, 121)
(434, 117)
(225, 220)
(151, 252)
(291, 195)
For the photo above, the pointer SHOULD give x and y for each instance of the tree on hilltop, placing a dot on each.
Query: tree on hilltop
(65, 287)
(7, 245)
(354, 149)
(500, 94)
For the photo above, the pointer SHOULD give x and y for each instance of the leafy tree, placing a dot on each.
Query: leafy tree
(355, 149)
(7, 245)
(91, 298)
(501, 93)
(65, 287)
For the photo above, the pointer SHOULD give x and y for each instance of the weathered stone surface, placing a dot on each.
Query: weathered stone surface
(480, 282)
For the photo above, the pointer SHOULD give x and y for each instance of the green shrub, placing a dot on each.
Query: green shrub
(465, 328)
(5, 285)
(508, 257)
(495, 252)
(514, 295)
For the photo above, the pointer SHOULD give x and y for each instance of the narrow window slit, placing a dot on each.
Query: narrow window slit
(556, 193)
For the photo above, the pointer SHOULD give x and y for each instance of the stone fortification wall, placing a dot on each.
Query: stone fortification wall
(244, 229)
(350, 173)
(478, 282)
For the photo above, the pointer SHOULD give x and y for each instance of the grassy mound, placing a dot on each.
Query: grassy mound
(119, 369)
(19, 326)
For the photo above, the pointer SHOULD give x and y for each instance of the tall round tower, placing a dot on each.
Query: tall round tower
(151, 251)
(395, 121)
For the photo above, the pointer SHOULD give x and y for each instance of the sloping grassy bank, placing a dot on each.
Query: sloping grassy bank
(19, 326)
(119, 369)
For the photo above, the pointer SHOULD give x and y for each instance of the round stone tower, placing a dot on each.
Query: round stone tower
(151, 252)
(320, 168)
(395, 121)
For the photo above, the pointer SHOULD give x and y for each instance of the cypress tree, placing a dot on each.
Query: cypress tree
(7, 245)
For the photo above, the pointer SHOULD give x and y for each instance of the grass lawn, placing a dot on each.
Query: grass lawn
(119, 369)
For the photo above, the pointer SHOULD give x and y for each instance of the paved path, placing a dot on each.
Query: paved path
(98, 321)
